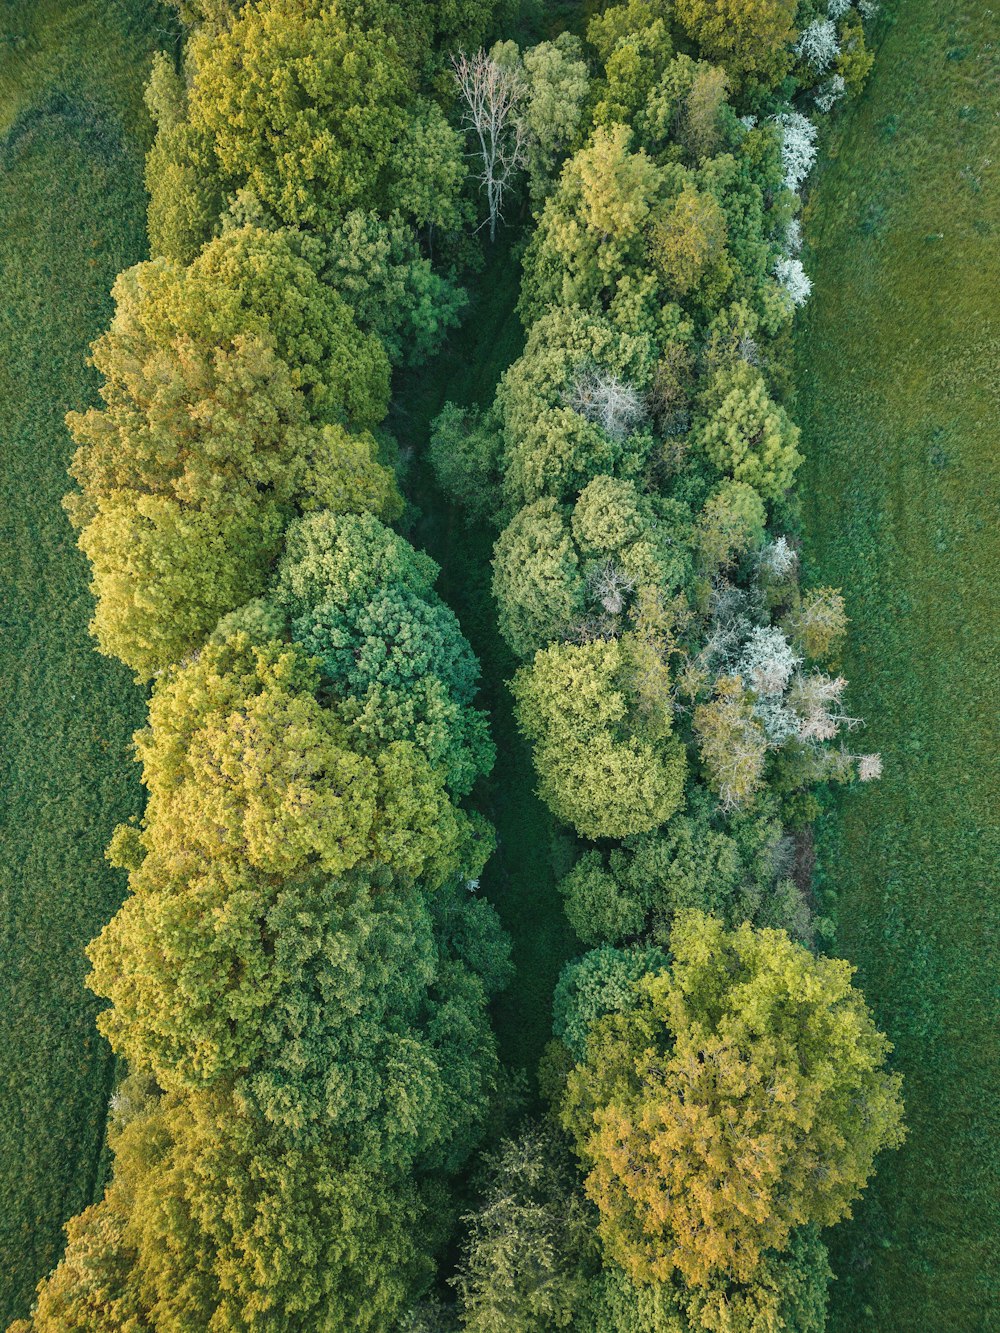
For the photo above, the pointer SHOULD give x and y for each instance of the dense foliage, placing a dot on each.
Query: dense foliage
(299, 978)
(677, 686)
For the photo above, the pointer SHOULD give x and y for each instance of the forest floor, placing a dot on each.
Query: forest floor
(72, 136)
(898, 398)
(532, 852)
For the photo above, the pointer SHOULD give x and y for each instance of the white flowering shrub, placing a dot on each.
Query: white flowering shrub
(818, 44)
(829, 94)
(793, 236)
(794, 280)
(837, 8)
(798, 147)
(868, 9)
(748, 122)
(869, 767)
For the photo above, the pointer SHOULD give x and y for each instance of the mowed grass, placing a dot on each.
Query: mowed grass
(72, 136)
(898, 359)
(532, 851)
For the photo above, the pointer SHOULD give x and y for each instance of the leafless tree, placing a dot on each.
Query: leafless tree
(610, 585)
(611, 403)
(815, 700)
(492, 94)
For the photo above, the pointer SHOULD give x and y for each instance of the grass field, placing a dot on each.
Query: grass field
(899, 401)
(521, 877)
(72, 132)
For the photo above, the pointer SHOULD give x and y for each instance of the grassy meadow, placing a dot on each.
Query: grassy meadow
(72, 136)
(899, 403)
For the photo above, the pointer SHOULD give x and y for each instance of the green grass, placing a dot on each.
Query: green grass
(521, 877)
(71, 215)
(898, 359)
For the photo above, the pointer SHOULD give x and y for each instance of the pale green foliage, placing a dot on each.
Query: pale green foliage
(557, 83)
(745, 434)
(744, 1095)
(818, 623)
(529, 1247)
(732, 743)
(428, 169)
(343, 559)
(730, 525)
(598, 769)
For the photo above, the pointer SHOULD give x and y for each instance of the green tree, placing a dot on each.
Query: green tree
(241, 760)
(745, 434)
(186, 197)
(750, 39)
(465, 450)
(598, 767)
(789, 1292)
(304, 104)
(557, 85)
(529, 1247)
(732, 868)
(744, 1095)
(325, 1005)
(377, 267)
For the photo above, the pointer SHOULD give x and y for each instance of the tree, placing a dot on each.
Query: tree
(325, 1005)
(464, 451)
(241, 760)
(789, 1292)
(744, 1095)
(304, 104)
(730, 525)
(818, 624)
(751, 41)
(204, 448)
(690, 240)
(402, 671)
(745, 434)
(601, 982)
(376, 266)
(538, 585)
(734, 868)
(186, 197)
(493, 92)
(529, 1247)
(558, 83)
(732, 743)
(597, 769)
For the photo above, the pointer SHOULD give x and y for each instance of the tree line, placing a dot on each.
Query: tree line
(299, 978)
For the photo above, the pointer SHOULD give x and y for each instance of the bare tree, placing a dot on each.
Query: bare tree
(611, 403)
(492, 94)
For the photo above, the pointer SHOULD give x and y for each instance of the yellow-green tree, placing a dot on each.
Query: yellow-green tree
(751, 39)
(744, 1095)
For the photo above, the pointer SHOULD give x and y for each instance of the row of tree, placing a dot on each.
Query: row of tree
(298, 979)
(721, 1086)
